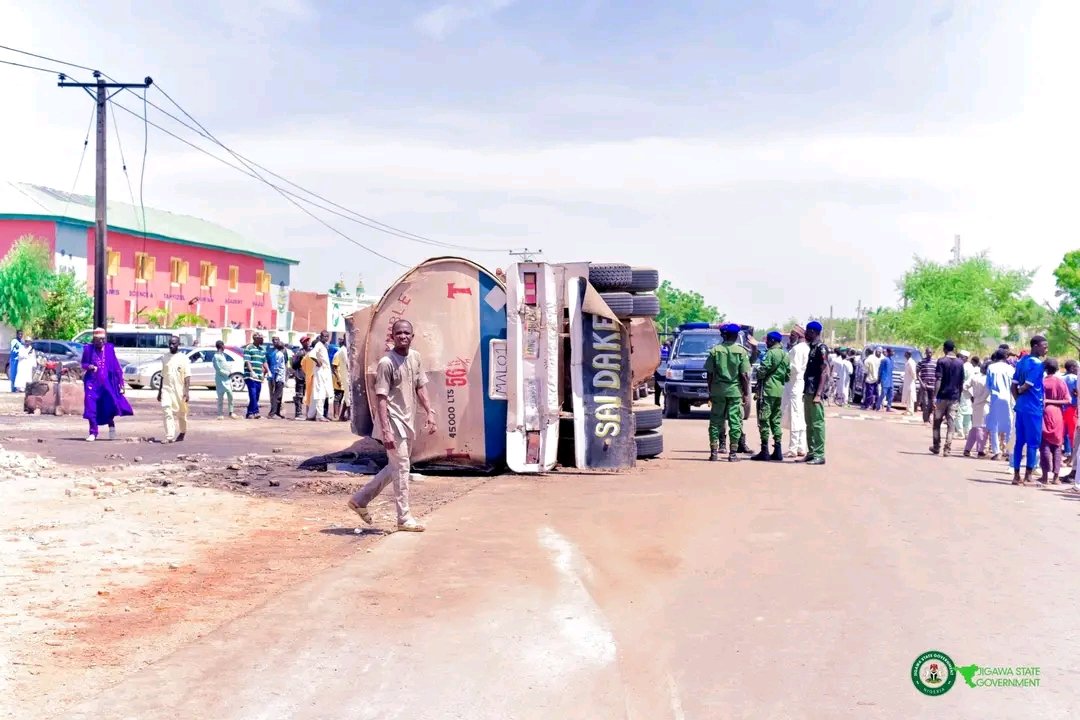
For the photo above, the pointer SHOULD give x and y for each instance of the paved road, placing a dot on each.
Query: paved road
(685, 590)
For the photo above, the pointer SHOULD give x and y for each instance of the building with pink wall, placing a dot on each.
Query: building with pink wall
(178, 263)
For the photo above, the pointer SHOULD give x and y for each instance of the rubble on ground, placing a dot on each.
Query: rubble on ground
(14, 465)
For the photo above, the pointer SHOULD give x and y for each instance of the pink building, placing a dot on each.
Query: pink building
(180, 263)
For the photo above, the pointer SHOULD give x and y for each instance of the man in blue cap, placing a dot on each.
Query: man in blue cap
(728, 372)
(814, 389)
(772, 376)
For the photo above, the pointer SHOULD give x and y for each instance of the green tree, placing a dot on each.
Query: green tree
(154, 317)
(25, 274)
(971, 302)
(1065, 319)
(189, 320)
(683, 306)
(69, 309)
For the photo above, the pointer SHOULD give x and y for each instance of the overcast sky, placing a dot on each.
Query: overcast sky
(779, 157)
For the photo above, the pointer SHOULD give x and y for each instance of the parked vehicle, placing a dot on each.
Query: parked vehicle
(898, 371)
(685, 383)
(63, 351)
(148, 372)
(137, 345)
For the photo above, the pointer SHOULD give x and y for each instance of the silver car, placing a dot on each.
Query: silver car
(148, 372)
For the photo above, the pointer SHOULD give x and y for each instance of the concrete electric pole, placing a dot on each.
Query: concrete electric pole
(956, 249)
(101, 98)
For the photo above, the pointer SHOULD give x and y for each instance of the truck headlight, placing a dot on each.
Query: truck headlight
(674, 374)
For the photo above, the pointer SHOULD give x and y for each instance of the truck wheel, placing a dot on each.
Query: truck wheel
(621, 303)
(671, 407)
(643, 279)
(647, 305)
(684, 407)
(649, 444)
(610, 276)
(647, 417)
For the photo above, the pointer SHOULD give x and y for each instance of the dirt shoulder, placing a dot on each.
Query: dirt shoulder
(114, 554)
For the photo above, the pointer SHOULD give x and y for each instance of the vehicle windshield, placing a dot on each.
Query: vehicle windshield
(697, 344)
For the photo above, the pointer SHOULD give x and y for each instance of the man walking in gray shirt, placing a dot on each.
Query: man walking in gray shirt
(399, 384)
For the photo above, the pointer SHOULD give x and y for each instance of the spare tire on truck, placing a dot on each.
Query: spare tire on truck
(610, 276)
(649, 444)
(643, 279)
(621, 303)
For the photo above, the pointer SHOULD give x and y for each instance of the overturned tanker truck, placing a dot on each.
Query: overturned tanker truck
(606, 346)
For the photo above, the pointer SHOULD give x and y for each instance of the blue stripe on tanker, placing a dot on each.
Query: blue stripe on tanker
(492, 327)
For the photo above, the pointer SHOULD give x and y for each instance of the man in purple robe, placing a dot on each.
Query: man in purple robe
(103, 386)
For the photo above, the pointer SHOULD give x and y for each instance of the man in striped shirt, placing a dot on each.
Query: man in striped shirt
(255, 370)
(927, 384)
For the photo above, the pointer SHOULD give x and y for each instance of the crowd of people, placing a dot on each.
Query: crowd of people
(1016, 405)
(319, 367)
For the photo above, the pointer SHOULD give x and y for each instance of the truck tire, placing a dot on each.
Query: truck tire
(610, 276)
(621, 303)
(647, 417)
(671, 407)
(643, 279)
(646, 305)
(649, 444)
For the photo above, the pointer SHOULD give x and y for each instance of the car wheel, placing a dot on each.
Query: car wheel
(236, 382)
(621, 303)
(647, 417)
(649, 444)
(610, 276)
(684, 407)
(644, 279)
(647, 305)
(671, 407)
(155, 381)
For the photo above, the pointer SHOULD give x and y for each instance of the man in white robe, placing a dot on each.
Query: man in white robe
(794, 421)
(322, 388)
(911, 372)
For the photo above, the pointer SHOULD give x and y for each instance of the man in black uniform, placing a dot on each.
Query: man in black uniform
(814, 390)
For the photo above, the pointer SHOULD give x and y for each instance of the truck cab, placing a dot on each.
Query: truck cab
(685, 383)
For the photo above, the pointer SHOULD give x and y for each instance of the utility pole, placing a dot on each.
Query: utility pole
(526, 254)
(858, 325)
(832, 328)
(101, 98)
(956, 249)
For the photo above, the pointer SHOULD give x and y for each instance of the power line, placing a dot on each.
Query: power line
(284, 193)
(123, 160)
(31, 67)
(250, 173)
(82, 157)
(250, 166)
(359, 218)
(46, 57)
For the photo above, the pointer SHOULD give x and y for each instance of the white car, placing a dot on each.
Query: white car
(148, 372)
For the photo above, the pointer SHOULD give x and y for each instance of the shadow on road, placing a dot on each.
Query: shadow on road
(350, 532)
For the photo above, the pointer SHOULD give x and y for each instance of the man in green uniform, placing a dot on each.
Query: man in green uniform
(728, 371)
(772, 376)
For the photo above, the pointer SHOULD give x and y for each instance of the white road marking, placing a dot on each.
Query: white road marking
(676, 703)
(579, 620)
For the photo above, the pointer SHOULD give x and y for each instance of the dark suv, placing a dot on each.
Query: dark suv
(685, 383)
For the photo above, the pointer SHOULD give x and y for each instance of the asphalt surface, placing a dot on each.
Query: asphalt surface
(686, 589)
